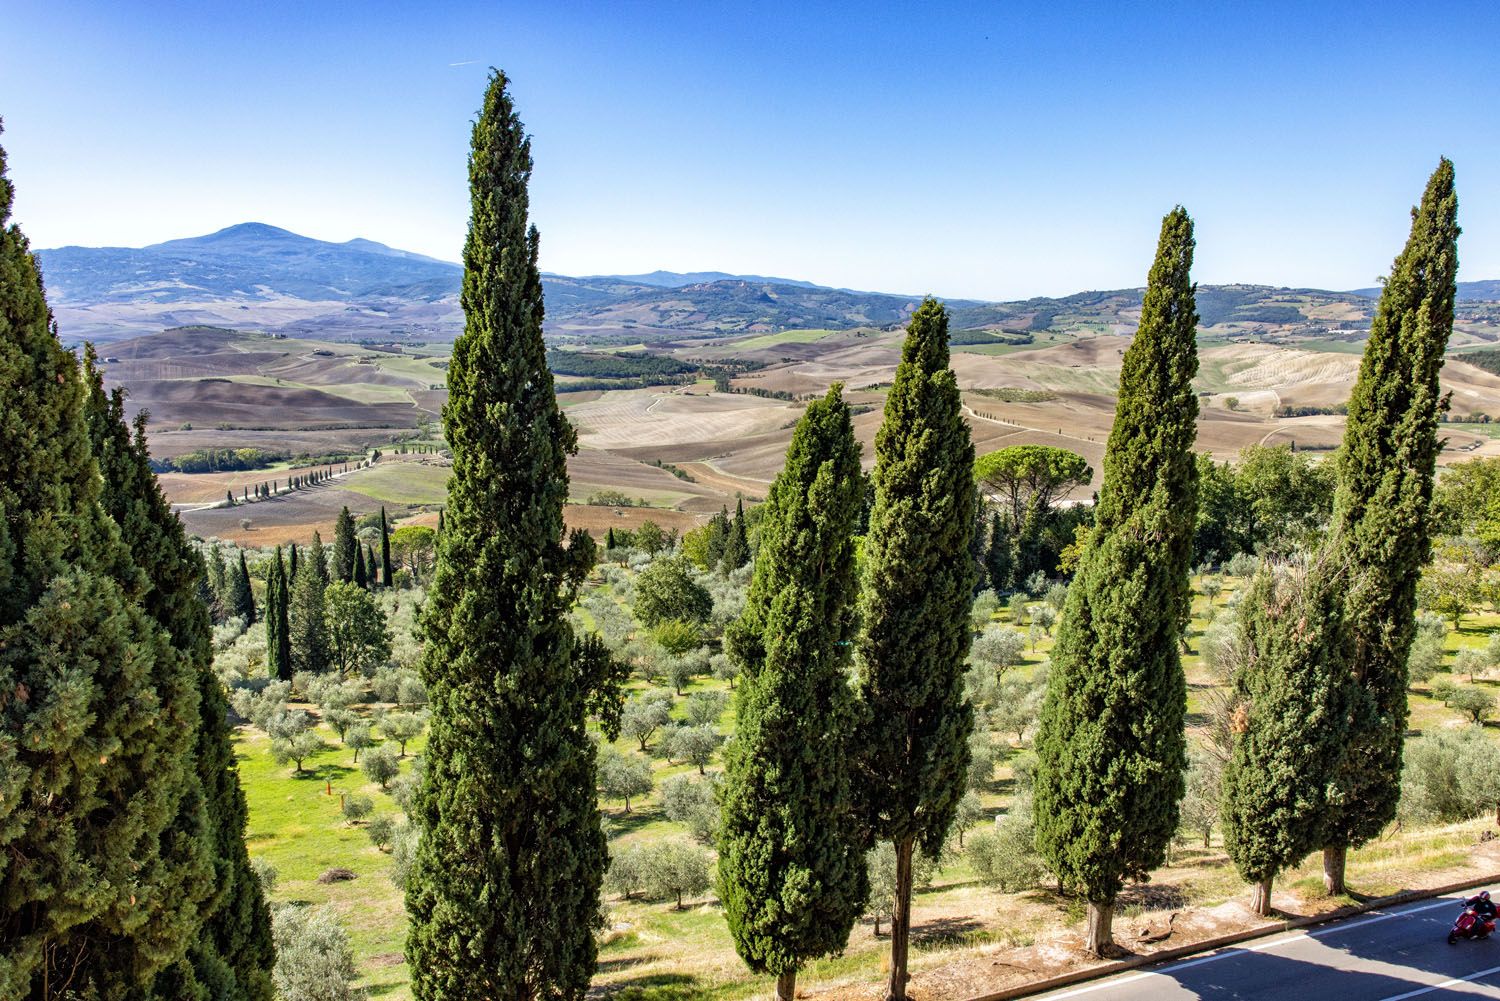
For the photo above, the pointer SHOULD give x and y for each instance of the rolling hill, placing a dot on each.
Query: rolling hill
(258, 277)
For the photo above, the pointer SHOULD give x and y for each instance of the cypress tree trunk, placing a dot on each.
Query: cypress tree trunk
(1382, 522)
(918, 588)
(786, 986)
(792, 872)
(901, 920)
(504, 888)
(1111, 751)
(1334, 859)
(1099, 935)
(1260, 897)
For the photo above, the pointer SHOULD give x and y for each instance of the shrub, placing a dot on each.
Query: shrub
(675, 869)
(1006, 857)
(314, 961)
(622, 776)
(1017, 609)
(1449, 776)
(380, 765)
(982, 612)
(691, 801)
(381, 829)
(265, 875)
(1427, 648)
(357, 808)
(998, 647)
(1475, 703)
(706, 707)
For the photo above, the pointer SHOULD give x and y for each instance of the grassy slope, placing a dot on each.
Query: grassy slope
(654, 952)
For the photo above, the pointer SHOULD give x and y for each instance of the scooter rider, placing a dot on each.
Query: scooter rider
(1483, 906)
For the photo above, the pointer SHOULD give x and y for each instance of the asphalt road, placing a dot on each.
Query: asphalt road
(1380, 956)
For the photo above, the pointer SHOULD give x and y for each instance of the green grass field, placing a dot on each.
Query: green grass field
(401, 482)
(783, 337)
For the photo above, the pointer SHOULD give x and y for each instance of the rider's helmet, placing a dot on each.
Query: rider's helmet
(1484, 894)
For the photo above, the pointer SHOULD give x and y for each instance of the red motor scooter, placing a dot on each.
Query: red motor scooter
(1470, 925)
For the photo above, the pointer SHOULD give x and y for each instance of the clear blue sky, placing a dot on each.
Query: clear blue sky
(996, 150)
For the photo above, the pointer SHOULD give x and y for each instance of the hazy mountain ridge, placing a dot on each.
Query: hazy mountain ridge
(262, 277)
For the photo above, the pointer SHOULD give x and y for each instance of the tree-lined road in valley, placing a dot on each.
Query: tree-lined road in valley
(1388, 955)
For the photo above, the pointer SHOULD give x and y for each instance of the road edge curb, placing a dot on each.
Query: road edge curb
(1225, 941)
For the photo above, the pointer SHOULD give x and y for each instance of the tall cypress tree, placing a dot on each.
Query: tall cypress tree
(918, 586)
(1110, 747)
(244, 593)
(736, 541)
(93, 700)
(212, 899)
(385, 551)
(504, 889)
(372, 573)
(1382, 519)
(278, 621)
(291, 568)
(1285, 753)
(306, 623)
(791, 854)
(359, 565)
(345, 547)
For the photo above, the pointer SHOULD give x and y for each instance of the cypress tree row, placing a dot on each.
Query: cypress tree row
(1287, 749)
(214, 905)
(385, 551)
(504, 887)
(918, 586)
(1382, 520)
(1110, 746)
(791, 854)
(345, 547)
(97, 708)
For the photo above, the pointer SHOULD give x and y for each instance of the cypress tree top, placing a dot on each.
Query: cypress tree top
(791, 864)
(1110, 748)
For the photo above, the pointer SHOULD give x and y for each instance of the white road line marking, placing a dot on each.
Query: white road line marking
(1442, 986)
(1235, 950)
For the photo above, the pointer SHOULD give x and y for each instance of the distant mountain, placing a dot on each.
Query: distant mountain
(677, 279)
(258, 277)
(1481, 291)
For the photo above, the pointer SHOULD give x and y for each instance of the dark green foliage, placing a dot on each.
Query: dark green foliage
(736, 541)
(918, 585)
(98, 709)
(1290, 739)
(359, 567)
(1382, 520)
(1110, 747)
(1031, 476)
(791, 854)
(278, 627)
(666, 591)
(306, 614)
(345, 547)
(385, 549)
(504, 887)
(209, 897)
(718, 534)
(241, 594)
(291, 567)
(372, 568)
